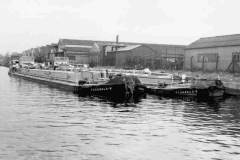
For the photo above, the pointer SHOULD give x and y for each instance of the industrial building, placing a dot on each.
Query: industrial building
(144, 56)
(158, 56)
(220, 53)
(99, 53)
(77, 51)
(109, 53)
(125, 55)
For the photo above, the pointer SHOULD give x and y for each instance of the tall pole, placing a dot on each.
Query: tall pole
(117, 39)
(203, 63)
(166, 59)
(233, 63)
(217, 63)
(176, 62)
(191, 64)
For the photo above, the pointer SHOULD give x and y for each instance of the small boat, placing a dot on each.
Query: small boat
(200, 89)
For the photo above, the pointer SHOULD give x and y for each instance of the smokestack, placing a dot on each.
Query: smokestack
(117, 39)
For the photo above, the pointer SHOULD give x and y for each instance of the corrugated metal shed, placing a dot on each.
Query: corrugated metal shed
(218, 41)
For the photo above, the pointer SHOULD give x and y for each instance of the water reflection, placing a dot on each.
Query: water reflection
(120, 101)
(219, 118)
(194, 98)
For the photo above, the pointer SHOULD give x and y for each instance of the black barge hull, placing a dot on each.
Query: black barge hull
(194, 92)
(111, 89)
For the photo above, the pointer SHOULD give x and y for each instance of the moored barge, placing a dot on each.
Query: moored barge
(200, 89)
(84, 82)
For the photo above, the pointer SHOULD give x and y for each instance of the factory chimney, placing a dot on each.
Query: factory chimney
(117, 39)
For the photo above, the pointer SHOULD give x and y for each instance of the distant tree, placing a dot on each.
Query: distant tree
(7, 59)
(7, 54)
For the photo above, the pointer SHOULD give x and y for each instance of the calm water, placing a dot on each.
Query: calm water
(40, 122)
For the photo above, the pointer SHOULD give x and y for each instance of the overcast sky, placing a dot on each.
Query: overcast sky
(30, 23)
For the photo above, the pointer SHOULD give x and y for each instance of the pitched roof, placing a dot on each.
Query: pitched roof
(91, 43)
(53, 45)
(77, 42)
(129, 48)
(101, 44)
(77, 53)
(218, 41)
(77, 49)
(16, 54)
(77, 46)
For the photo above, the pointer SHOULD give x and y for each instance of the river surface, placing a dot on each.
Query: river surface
(41, 122)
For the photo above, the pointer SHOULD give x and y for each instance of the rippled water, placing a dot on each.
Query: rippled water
(40, 122)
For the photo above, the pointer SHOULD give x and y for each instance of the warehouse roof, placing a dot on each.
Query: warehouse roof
(77, 49)
(91, 43)
(218, 41)
(16, 54)
(129, 48)
(79, 42)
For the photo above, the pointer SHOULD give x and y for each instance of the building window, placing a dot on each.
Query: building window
(71, 58)
(208, 57)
